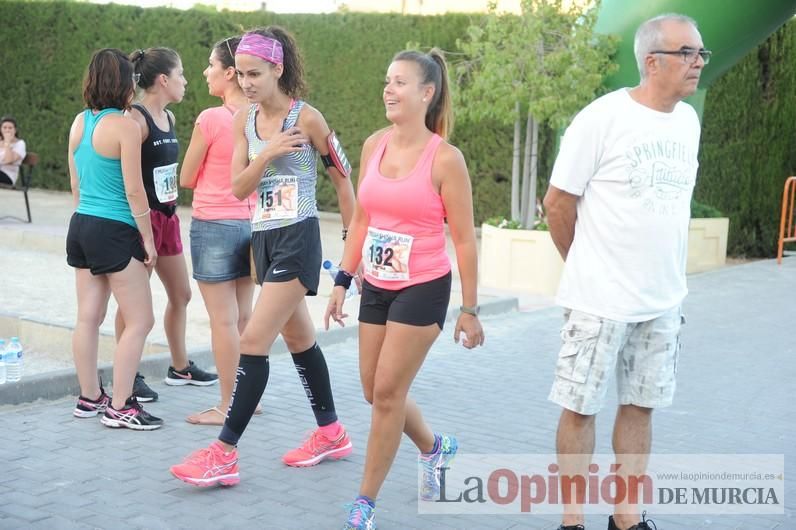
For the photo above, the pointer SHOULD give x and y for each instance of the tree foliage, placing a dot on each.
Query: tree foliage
(548, 58)
(543, 65)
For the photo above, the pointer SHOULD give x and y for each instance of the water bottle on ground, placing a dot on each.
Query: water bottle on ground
(13, 358)
(2, 361)
(332, 269)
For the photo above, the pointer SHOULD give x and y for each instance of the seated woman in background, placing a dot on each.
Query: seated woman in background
(12, 151)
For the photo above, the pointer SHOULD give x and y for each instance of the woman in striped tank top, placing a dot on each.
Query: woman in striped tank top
(277, 141)
(411, 180)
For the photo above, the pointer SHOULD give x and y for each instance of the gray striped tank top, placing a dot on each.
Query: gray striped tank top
(286, 193)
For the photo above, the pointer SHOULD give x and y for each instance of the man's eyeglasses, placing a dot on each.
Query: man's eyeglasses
(689, 55)
(136, 78)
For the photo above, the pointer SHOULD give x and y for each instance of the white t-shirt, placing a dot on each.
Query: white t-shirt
(634, 169)
(12, 170)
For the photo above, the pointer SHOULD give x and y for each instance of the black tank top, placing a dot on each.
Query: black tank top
(159, 154)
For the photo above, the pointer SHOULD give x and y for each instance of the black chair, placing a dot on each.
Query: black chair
(23, 183)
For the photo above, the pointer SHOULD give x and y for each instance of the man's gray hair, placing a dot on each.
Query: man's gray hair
(649, 37)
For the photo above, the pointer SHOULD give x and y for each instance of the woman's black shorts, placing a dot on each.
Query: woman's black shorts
(102, 245)
(417, 305)
(293, 251)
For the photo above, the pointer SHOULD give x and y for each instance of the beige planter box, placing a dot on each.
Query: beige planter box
(519, 260)
(707, 244)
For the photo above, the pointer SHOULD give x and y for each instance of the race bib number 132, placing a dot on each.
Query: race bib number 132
(386, 254)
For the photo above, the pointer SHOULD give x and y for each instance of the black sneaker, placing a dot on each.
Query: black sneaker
(572, 527)
(193, 375)
(141, 390)
(132, 416)
(90, 408)
(643, 525)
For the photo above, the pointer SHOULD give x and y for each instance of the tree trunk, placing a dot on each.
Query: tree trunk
(515, 167)
(530, 172)
(525, 204)
(534, 173)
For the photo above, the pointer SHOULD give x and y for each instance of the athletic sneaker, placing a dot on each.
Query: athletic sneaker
(141, 390)
(192, 375)
(318, 447)
(432, 463)
(132, 416)
(572, 527)
(209, 467)
(645, 523)
(361, 516)
(89, 408)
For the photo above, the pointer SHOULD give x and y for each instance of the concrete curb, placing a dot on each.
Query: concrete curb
(60, 383)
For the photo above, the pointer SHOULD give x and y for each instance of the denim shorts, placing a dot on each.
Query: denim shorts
(642, 354)
(220, 249)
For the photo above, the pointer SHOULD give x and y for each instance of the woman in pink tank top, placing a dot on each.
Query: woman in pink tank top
(411, 180)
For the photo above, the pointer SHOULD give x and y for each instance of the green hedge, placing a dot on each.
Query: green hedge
(346, 57)
(747, 140)
(749, 143)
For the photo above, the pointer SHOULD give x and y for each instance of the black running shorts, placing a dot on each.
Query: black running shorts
(417, 305)
(102, 245)
(294, 251)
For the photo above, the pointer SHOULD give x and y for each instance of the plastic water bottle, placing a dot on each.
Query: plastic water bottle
(2, 361)
(333, 269)
(13, 358)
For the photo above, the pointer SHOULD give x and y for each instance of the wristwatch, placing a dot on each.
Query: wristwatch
(470, 310)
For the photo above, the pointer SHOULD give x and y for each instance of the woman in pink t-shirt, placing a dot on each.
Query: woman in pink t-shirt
(220, 228)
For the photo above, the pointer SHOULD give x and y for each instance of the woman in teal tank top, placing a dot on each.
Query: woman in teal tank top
(110, 241)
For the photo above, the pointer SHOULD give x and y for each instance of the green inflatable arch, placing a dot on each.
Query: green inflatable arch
(730, 28)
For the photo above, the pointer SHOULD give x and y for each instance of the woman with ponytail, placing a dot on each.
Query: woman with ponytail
(160, 78)
(220, 229)
(277, 140)
(411, 180)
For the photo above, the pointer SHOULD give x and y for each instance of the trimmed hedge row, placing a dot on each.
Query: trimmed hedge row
(747, 141)
(346, 56)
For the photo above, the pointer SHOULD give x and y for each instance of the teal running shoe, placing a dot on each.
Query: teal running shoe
(432, 463)
(361, 516)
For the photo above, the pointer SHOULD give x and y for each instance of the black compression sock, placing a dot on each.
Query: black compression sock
(314, 375)
(249, 387)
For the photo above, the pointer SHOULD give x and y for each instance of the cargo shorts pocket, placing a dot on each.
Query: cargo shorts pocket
(577, 351)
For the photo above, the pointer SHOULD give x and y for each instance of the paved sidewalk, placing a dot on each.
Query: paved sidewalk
(736, 377)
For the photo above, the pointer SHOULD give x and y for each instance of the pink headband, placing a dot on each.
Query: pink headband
(266, 48)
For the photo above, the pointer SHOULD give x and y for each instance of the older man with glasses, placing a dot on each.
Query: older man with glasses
(618, 209)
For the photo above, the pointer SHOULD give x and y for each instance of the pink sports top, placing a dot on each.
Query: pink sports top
(212, 197)
(405, 244)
